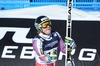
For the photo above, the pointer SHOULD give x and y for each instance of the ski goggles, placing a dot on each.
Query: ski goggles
(45, 24)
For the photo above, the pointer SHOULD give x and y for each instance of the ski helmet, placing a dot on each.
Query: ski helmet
(39, 21)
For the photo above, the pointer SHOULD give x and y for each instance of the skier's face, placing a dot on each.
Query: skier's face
(46, 28)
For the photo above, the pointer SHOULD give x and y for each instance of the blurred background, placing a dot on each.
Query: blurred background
(87, 5)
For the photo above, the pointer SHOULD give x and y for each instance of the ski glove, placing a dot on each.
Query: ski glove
(70, 43)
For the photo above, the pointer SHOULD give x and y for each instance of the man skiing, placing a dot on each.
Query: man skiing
(47, 43)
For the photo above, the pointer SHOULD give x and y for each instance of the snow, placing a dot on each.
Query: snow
(55, 12)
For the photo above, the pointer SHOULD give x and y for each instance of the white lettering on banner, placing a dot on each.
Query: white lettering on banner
(30, 53)
(26, 53)
(19, 35)
(91, 53)
(6, 50)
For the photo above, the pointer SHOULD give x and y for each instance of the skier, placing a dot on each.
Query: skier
(47, 43)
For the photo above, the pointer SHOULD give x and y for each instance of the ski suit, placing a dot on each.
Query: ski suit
(46, 49)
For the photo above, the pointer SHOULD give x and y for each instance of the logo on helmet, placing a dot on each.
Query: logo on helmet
(44, 18)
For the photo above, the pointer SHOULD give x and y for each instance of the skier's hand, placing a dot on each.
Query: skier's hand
(53, 55)
(52, 58)
(68, 40)
(70, 43)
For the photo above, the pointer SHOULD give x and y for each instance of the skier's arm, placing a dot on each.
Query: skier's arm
(39, 51)
(61, 46)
